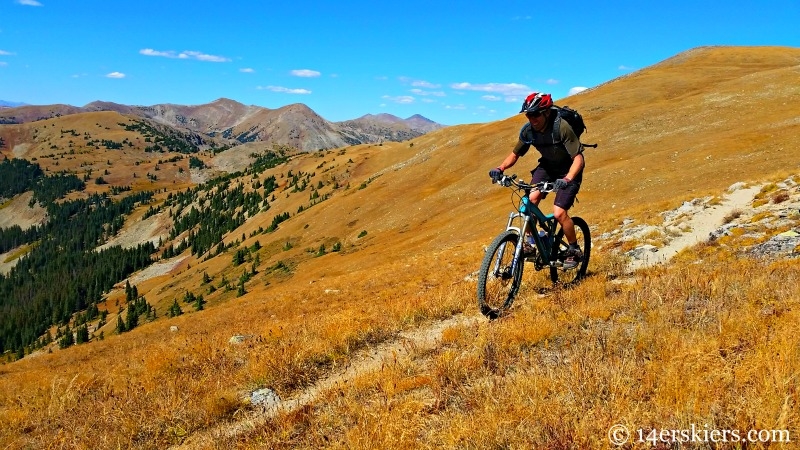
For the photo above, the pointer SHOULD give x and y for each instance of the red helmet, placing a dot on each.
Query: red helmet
(536, 102)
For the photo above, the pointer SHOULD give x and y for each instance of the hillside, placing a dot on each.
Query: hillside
(378, 254)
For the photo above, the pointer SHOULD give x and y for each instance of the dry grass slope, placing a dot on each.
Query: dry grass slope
(710, 339)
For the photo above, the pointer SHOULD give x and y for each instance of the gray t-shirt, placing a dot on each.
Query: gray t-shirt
(556, 155)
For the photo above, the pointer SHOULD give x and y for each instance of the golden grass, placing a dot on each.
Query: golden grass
(154, 396)
(714, 345)
(711, 339)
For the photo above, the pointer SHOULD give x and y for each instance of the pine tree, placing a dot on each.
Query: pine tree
(132, 318)
(68, 340)
(120, 325)
(82, 334)
(199, 302)
(175, 310)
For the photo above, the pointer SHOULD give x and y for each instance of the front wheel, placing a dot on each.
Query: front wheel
(573, 275)
(500, 275)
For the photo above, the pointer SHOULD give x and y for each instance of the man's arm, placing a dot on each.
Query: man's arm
(510, 160)
(576, 167)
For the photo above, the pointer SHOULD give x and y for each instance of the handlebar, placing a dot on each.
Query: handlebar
(512, 180)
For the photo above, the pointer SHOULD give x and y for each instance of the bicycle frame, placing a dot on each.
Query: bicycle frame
(532, 217)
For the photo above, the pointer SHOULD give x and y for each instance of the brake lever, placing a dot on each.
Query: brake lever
(506, 180)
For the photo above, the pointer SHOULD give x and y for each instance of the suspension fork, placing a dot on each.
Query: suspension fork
(526, 224)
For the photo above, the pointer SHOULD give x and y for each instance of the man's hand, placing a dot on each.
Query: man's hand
(496, 173)
(561, 183)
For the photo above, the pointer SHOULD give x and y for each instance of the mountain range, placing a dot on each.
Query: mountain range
(227, 122)
(8, 104)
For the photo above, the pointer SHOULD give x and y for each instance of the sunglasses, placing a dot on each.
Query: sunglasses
(533, 115)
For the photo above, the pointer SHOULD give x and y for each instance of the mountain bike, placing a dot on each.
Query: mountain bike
(500, 275)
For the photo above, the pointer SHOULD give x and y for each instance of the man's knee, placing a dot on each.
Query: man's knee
(560, 213)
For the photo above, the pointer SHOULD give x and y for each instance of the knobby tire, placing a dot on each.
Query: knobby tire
(498, 287)
(571, 276)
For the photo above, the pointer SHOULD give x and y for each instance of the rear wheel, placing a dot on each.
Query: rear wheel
(573, 275)
(500, 275)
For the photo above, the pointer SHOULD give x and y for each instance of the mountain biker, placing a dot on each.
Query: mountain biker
(561, 163)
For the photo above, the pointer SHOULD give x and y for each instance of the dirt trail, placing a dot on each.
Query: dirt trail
(702, 224)
(369, 361)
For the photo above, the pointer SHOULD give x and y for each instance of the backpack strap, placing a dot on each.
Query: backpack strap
(526, 134)
(557, 129)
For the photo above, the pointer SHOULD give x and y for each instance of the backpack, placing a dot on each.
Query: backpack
(573, 118)
(575, 121)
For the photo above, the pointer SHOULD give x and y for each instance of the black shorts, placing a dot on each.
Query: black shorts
(565, 198)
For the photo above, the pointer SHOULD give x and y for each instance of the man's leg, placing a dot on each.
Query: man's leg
(566, 223)
(564, 200)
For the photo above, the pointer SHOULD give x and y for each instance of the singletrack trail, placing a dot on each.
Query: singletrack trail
(702, 224)
(369, 361)
(429, 337)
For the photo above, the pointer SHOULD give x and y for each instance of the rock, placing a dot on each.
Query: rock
(265, 398)
(642, 252)
(173, 329)
(724, 230)
(783, 244)
(736, 186)
(238, 339)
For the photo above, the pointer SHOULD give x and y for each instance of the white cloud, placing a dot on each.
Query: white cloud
(425, 84)
(183, 55)
(491, 98)
(402, 99)
(247, 70)
(552, 81)
(425, 93)
(3, 63)
(497, 88)
(151, 52)
(115, 75)
(29, 3)
(202, 57)
(5, 53)
(576, 90)
(625, 68)
(305, 73)
(457, 107)
(283, 90)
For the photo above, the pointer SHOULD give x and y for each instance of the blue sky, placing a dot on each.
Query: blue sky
(452, 62)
